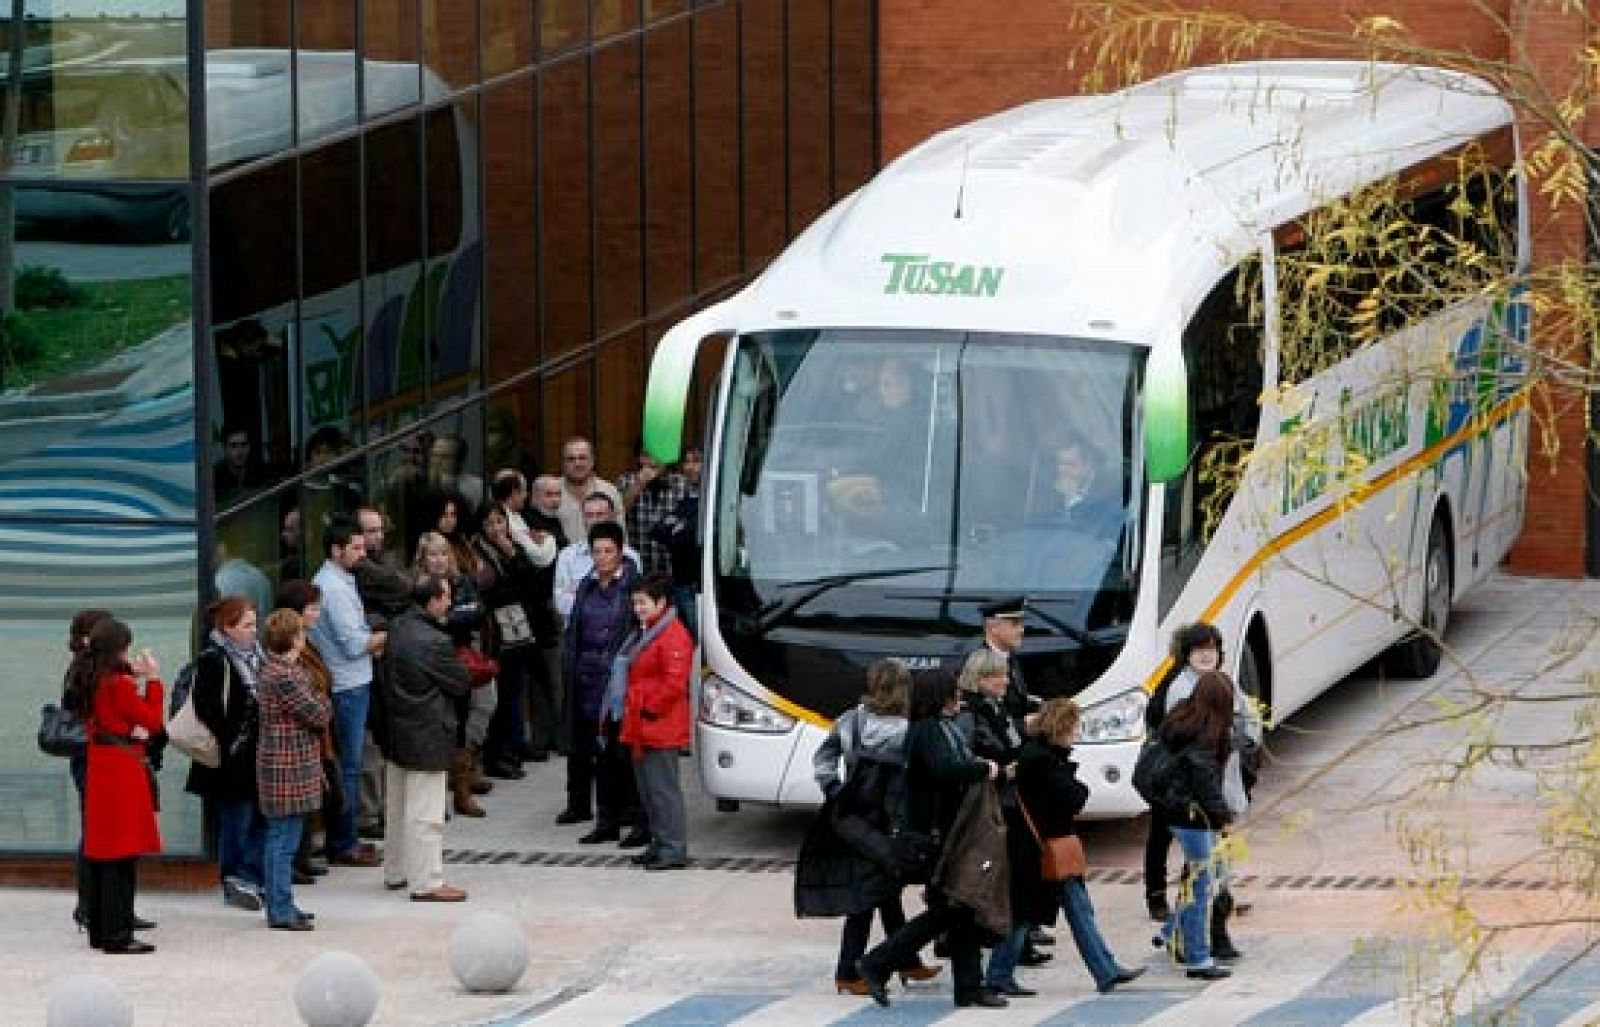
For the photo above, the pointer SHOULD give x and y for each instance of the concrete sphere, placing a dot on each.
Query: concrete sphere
(87, 1000)
(336, 989)
(488, 953)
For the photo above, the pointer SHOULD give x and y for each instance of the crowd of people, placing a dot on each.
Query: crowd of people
(969, 787)
(556, 618)
(366, 700)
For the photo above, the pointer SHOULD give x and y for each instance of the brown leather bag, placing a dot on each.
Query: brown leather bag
(1059, 858)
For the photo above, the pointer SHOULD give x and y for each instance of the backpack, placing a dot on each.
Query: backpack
(1154, 772)
(185, 730)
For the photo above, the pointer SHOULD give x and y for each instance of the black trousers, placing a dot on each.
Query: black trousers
(79, 767)
(858, 929)
(961, 936)
(109, 892)
(604, 772)
(1156, 847)
(508, 725)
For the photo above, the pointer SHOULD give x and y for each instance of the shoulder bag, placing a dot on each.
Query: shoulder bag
(61, 733)
(1059, 858)
(185, 730)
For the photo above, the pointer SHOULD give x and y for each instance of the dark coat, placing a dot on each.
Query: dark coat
(425, 678)
(988, 727)
(506, 580)
(294, 716)
(585, 704)
(939, 767)
(546, 621)
(1193, 796)
(1047, 784)
(834, 877)
(236, 729)
(119, 804)
(974, 870)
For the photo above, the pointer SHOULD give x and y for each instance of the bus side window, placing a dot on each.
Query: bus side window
(1222, 348)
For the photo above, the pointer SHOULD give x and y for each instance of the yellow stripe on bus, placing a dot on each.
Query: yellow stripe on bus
(1481, 423)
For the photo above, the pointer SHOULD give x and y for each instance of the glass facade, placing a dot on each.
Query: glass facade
(430, 239)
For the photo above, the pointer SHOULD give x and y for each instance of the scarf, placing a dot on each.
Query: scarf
(617, 687)
(247, 663)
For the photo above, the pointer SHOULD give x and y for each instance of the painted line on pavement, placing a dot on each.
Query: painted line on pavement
(701, 1010)
(1572, 989)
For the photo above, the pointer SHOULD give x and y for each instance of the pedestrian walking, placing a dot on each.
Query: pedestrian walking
(1050, 796)
(871, 732)
(939, 769)
(1196, 739)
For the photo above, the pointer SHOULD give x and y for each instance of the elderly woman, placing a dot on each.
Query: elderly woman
(1050, 794)
(436, 556)
(993, 735)
(294, 719)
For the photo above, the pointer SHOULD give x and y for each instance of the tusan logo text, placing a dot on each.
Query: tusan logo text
(918, 274)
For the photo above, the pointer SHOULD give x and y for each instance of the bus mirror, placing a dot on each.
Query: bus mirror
(672, 367)
(1166, 429)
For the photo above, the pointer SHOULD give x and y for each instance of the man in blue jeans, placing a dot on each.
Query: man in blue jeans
(346, 645)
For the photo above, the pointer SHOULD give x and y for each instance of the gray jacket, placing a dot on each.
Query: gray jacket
(883, 738)
(425, 678)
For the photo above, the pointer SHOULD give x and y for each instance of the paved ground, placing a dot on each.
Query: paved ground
(1335, 936)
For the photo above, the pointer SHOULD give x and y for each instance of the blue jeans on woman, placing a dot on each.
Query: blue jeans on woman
(283, 839)
(1003, 957)
(241, 837)
(1194, 909)
(1086, 935)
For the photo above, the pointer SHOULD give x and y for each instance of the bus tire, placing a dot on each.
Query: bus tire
(1419, 655)
(1250, 683)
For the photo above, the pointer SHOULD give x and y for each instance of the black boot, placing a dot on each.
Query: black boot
(1221, 944)
(1156, 903)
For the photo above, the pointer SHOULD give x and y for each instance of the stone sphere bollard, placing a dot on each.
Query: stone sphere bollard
(87, 1000)
(488, 953)
(336, 989)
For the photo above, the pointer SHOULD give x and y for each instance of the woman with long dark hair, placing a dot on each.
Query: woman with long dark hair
(1198, 735)
(120, 702)
(939, 768)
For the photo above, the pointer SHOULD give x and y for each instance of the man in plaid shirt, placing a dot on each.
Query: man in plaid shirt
(649, 493)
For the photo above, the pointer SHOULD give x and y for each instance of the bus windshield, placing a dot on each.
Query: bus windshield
(918, 466)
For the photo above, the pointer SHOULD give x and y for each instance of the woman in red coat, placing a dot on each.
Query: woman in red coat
(121, 703)
(655, 720)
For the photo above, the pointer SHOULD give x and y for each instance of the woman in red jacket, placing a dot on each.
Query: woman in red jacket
(120, 701)
(655, 664)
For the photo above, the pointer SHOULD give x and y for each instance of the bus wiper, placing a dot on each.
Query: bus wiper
(1078, 635)
(778, 609)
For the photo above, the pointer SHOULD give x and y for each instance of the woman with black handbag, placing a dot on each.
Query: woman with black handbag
(939, 768)
(1050, 797)
(508, 583)
(873, 730)
(120, 701)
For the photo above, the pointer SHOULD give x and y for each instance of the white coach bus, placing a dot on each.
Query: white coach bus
(1241, 343)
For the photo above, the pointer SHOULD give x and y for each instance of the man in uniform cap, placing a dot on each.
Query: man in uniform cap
(1002, 632)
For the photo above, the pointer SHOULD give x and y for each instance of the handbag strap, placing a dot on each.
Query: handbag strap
(1027, 819)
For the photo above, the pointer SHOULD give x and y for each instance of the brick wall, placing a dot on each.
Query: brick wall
(944, 62)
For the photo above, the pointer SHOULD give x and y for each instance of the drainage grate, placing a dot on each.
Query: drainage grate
(1100, 875)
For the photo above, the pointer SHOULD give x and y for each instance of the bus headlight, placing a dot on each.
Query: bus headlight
(1117, 719)
(724, 705)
